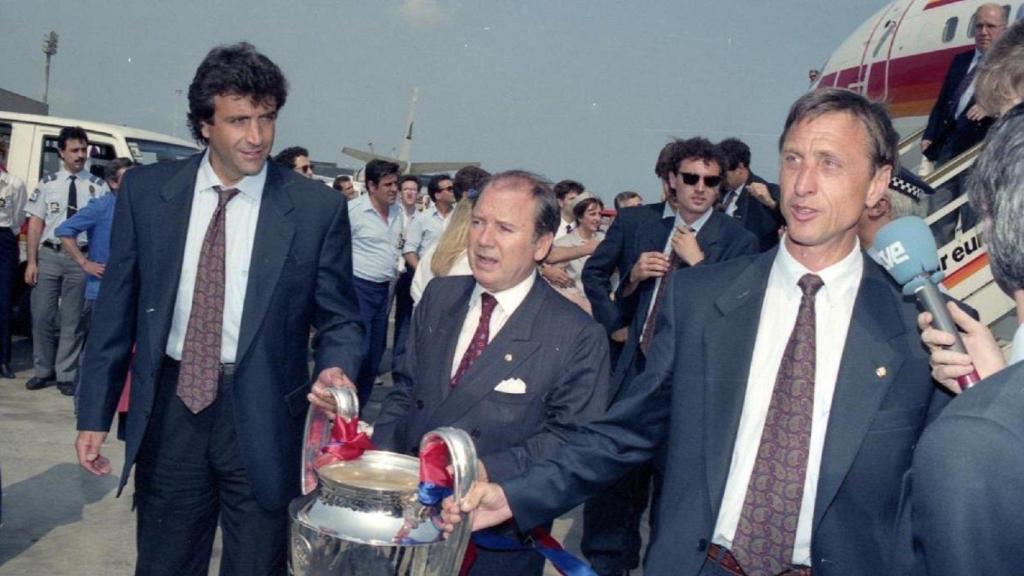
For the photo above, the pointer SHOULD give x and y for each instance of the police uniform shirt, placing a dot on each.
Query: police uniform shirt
(12, 201)
(49, 201)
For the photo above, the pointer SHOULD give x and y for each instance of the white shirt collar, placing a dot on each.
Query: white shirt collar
(697, 224)
(668, 212)
(250, 186)
(1017, 348)
(508, 299)
(63, 174)
(841, 279)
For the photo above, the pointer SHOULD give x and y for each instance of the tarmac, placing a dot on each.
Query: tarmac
(59, 520)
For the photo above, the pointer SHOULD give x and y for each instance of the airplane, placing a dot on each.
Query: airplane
(405, 165)
(900, 56)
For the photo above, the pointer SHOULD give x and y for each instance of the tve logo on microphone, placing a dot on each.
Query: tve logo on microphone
(892, 255)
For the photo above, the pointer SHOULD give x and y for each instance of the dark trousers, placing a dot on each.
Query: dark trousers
(611, 519)
(403, 315)
(8, 268)
(373, 309)
(188, 476)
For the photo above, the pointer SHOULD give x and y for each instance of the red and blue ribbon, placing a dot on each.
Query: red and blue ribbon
(436, 484)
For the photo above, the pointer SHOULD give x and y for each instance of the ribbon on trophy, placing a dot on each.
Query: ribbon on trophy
(347, 442)
(436, 484)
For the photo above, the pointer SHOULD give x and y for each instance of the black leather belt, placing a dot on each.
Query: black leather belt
(56, 246)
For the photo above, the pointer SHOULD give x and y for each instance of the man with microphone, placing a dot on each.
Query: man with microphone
(803, 360)
(968, 474)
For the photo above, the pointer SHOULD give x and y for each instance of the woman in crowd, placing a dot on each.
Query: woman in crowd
(448, 256)
(586, 232)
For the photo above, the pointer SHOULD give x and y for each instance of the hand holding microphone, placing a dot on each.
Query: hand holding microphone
(906, 249)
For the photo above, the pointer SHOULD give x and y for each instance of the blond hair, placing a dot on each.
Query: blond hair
(453, 241)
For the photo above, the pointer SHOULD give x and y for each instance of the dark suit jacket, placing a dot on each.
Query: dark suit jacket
(558, 351)
(617, 252)
(967, 483)
(951, 135)
(721, 238)
(759, 219)
(697, 372)
(300, 276)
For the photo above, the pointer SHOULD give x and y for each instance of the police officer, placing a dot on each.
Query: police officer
(12, 205)
(59, 282)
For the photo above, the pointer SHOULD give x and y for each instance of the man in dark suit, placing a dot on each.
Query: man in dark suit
(220, 265)
(956, 122)
(968, 474)
(697, 235)
(537, 371)
(750, 199)
(615, 254)
(730, 364)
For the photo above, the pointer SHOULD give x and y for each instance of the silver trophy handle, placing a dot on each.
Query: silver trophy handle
(462, 457)
(347, 401)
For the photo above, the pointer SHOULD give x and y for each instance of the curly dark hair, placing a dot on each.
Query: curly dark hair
(697, 148)
(235, 69)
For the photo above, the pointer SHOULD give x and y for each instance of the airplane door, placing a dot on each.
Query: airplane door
(874, 68)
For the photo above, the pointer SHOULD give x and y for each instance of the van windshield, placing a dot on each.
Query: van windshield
(151, 151)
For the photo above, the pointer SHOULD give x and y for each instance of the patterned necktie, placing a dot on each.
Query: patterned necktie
(724, 204)
(72, 198)
(961, 89)
(480, 339)
(652, 318)
(763, 544)
(200, 353)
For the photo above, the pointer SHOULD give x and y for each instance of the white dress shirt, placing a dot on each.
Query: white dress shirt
(833, 310)
(240, 218)
(734, 200)
(667, 251)
(564, 227)
(13, 196)
(508, 300)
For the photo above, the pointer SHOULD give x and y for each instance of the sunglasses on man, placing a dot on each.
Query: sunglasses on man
(691, 179)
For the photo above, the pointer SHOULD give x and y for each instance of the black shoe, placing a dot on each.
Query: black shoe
(66, 388)
(6, 372)
(38, 383)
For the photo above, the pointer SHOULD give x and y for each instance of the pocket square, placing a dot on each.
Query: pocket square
(511, 386)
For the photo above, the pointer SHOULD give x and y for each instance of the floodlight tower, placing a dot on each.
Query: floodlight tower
(50, 49)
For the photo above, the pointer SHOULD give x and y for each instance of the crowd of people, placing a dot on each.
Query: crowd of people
(732, 358)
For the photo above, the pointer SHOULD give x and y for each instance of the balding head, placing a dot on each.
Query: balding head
(989, 25)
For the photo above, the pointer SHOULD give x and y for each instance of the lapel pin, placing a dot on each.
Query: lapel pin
(508, 357)
(881, 371)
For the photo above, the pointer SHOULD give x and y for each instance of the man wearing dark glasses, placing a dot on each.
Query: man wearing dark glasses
(296, 158)
(695, 235)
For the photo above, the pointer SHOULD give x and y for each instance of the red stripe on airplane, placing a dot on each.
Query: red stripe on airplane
(914, 81)
(937, 3)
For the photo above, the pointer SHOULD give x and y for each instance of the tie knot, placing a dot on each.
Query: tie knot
(810, 284)
(72, 177)
(225, 195)
(487, 303)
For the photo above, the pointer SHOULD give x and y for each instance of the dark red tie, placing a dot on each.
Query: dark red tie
(480, 338)
(763, 544)
(200, 352)
(645, 339)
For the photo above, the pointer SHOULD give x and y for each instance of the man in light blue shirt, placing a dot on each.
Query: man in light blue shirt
(376, 222)
(426, 228)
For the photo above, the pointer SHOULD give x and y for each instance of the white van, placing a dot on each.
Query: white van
(32, 151)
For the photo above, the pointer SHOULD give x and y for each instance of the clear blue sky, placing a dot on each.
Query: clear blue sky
(588, 90)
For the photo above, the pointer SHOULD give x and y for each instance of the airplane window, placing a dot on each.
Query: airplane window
(1020, 12)
(970, 27)
(949, 30)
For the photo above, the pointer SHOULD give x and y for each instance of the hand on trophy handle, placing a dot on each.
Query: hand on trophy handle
(488, 502)
(321, 397)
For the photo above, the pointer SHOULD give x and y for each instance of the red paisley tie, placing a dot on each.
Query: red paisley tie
(763, 544)
(200, 352)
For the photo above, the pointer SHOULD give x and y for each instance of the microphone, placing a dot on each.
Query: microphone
(906, 249)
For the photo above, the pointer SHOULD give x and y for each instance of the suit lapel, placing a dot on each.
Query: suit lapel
(506, 352)
(710, 235)
(271, 246)
(169, 231)
(861, 384)
(728, 350)
(449, 325)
